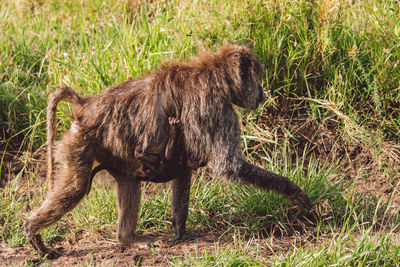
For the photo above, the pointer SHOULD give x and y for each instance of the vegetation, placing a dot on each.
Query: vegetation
(331, 122)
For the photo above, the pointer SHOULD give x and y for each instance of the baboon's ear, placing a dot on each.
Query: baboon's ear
(244, 66)
(238, 60)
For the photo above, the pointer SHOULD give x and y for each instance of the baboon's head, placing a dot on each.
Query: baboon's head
(247, 92)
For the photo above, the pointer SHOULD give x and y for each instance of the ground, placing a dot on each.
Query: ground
(148, 249)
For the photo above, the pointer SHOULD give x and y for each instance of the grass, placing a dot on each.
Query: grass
(327, 62)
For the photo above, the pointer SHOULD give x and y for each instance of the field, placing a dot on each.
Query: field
(331, 123)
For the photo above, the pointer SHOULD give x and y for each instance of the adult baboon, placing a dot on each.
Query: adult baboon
(200, 94)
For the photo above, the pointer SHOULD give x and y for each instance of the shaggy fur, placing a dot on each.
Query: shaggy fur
(199, 93)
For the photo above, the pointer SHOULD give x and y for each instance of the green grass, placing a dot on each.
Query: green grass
(335, 61)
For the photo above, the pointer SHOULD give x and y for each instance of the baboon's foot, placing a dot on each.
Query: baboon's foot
(187, 236)
(36, 242)
(126, 237)
(44, 251)
(181, 233)
(179, 228)
(301, 200)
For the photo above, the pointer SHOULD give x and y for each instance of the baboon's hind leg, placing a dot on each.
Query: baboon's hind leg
(60, 201)
(72, 184)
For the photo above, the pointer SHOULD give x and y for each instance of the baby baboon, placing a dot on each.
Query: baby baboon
(135, 116)
(154, 168)
(160, 170)
(153, 162)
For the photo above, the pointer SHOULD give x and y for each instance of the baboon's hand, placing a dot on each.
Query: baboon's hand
(301, 200)
(174, 121)
(51, 254)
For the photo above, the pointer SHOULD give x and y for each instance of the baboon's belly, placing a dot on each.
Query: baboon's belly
(118, 167)
(129, 168)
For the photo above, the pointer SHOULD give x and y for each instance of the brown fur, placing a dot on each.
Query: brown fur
(199, 93)
(63, 94)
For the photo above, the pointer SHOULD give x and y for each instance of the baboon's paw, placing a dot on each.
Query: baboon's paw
(301, 200)
(38, 245)
(50, 254)
(126, 238)
(187, 236)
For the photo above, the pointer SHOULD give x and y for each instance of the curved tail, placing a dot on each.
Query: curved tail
(62, 94)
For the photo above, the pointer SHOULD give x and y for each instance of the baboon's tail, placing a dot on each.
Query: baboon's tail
(62, 94)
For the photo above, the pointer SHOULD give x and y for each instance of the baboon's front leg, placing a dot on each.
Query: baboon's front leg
(128, 201)
(241, 171)
(180, 202)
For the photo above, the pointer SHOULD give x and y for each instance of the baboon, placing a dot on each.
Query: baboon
(200, 93)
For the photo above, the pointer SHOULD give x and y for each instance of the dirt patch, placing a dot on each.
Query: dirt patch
(149, 249)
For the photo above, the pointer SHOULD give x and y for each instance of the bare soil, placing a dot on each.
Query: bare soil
(149, 249)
